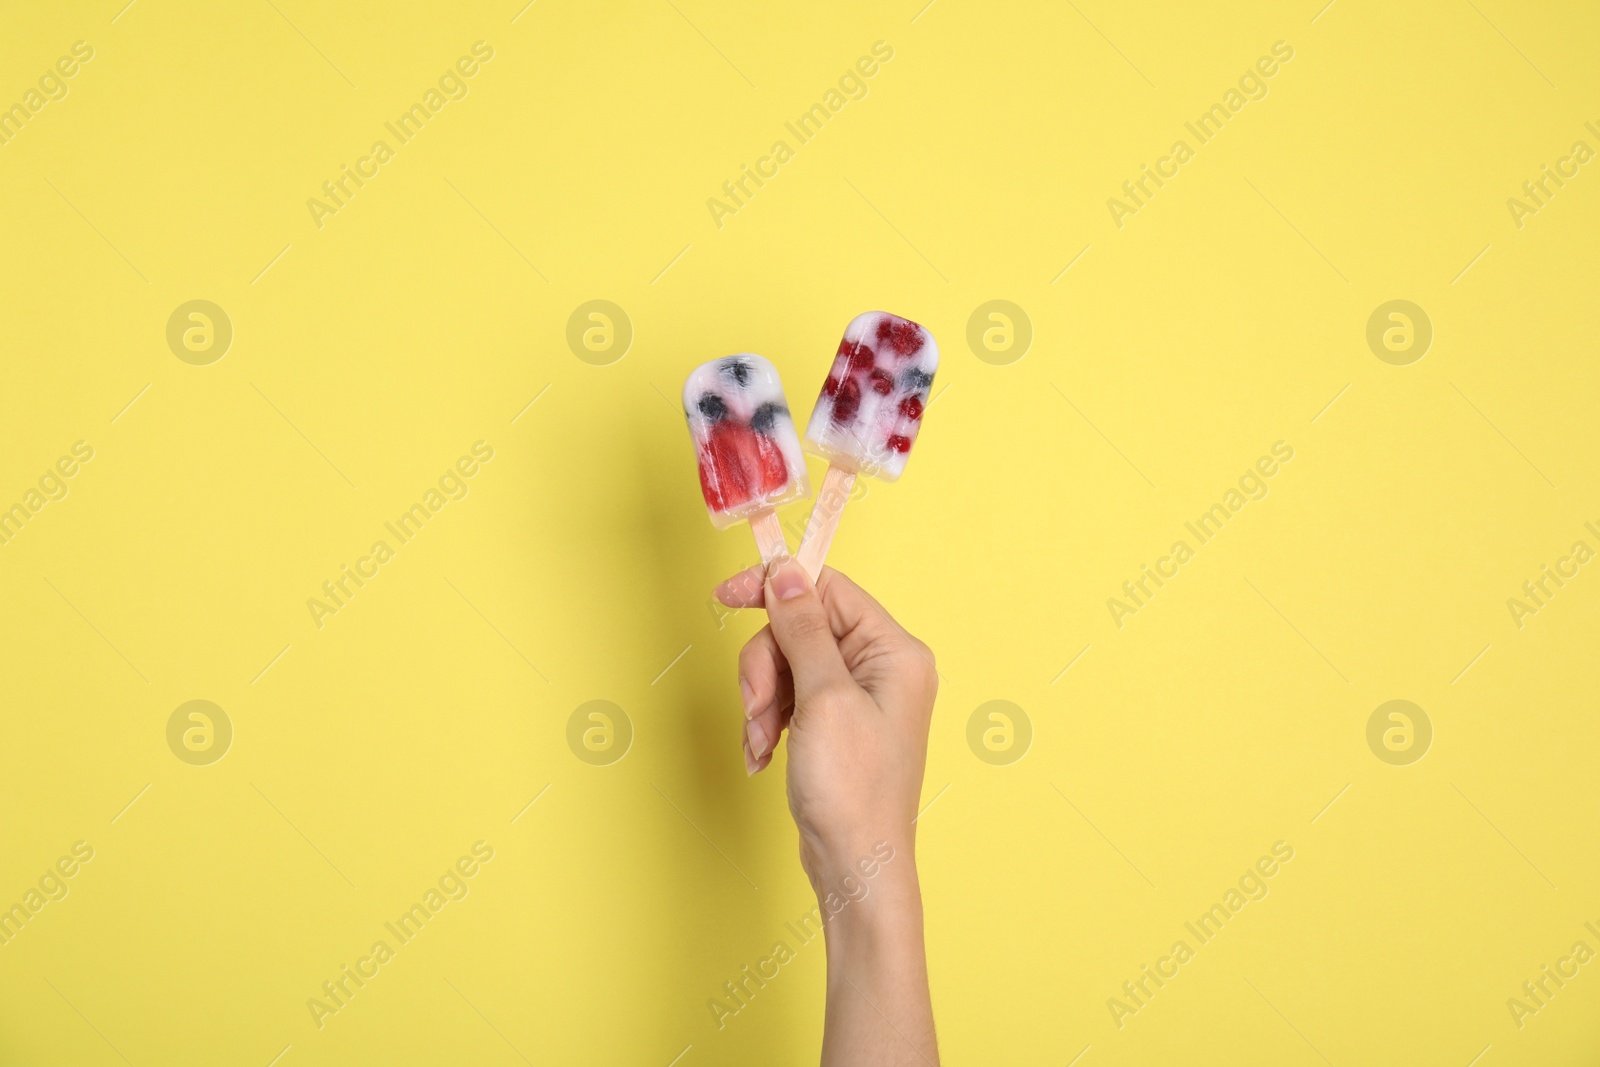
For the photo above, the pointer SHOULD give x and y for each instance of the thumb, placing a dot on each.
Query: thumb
(800, 624)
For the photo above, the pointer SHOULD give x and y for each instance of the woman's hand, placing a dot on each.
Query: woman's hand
(855, 692)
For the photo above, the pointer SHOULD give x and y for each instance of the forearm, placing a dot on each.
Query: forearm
(879, 1011)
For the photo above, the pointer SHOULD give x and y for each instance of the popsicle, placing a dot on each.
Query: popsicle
(867, 417)
(745, 443)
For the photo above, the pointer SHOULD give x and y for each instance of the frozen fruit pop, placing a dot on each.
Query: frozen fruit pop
(745, 442)
(867, 416)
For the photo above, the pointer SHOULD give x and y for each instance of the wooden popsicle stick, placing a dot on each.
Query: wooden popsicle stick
(831, 498)
(769, 535)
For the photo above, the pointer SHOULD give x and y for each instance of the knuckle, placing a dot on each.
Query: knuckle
(750, 654)
(927, 671)
(749, 666)
(921, 654)
(809, 626)
(757, 659)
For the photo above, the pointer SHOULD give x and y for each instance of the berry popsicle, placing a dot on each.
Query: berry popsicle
(746, 446)
(867, 416)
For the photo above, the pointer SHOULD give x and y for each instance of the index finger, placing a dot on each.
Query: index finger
(747, 589)
(849, 606)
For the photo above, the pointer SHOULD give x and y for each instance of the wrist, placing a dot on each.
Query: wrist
(865, 889)
(875, 942)
(853, 868)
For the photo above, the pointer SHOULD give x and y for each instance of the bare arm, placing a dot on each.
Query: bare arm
(855, 693)
(879, 1009)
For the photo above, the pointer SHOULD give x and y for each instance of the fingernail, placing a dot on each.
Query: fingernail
(749, 696)
(749, 761)
(755, 739)
(787, 578)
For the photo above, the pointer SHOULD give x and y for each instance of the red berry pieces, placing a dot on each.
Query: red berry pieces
(858, 357)
(902, 335)
(899, 443)
(831, 386)
(847, 402)
(724, 479)
(911, 407)
(738, 463)
(773, 472)
(709, 487)
(881, 382)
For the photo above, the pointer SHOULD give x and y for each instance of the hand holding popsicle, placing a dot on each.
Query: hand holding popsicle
(854, 693)
(867, 416)
(853, 690)
(745, 444)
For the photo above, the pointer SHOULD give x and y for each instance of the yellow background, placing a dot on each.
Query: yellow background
(370, 753)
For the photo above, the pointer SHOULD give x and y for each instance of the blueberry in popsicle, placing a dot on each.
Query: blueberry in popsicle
(746, 446)
(867, 417)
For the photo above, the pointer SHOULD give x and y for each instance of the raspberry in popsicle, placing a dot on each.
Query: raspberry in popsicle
(867, 416)
(871, 405)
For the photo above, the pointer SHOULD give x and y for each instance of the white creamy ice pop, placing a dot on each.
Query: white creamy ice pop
(868, 415)
(746, 446)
